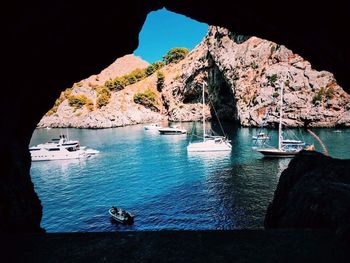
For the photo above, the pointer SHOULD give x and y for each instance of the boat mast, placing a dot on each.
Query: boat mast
(203, 113)
(280, 137)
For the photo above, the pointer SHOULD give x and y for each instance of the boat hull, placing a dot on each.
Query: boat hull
(277, 153)
(172, 132)
(209, 146)
(48, 156)
(60, 149)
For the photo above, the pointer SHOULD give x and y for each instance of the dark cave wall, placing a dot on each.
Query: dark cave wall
(47, 46)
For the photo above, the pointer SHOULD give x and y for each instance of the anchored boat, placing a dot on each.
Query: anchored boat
(121, 215)
(60, 149)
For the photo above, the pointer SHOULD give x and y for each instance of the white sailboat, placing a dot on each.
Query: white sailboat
(286, 147)
(209, 143)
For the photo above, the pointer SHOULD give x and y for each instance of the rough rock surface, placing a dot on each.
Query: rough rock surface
(313, 192)
(243, 78)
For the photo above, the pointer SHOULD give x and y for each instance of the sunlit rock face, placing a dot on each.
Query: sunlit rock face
(45, 51)
(242, 78)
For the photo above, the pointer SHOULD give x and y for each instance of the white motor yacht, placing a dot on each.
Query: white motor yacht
(60, 149)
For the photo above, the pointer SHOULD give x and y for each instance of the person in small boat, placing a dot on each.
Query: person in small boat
(114, 210)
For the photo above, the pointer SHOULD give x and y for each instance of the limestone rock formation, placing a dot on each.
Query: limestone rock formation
(242, 75)
(313, 192)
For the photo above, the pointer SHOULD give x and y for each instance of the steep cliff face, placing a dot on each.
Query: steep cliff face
(245, 75)
(256, 68)
(242, 78)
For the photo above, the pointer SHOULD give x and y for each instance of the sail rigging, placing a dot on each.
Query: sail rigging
(209, 143)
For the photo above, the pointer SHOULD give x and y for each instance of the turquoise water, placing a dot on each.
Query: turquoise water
(154, 177)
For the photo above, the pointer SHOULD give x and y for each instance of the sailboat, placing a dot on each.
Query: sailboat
(286, 147)
(209, 143)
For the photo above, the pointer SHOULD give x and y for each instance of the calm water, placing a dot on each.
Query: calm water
(155, 178)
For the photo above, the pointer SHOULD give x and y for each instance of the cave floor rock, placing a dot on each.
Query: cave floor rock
(177, 246)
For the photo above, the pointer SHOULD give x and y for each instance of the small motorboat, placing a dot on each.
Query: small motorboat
(121, 215)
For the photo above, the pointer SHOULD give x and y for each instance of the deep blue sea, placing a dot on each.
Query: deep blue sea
(153, 176)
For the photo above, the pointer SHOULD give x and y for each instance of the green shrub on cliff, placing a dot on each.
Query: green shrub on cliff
(175, 55)
(134, 76)
(102, 100)
(146, 98)
(272, 79)
(78, 101)
(317, 98)
(329, 93)
(154, 67)
(103, 96)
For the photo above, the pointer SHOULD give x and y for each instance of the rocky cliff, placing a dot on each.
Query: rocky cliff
(120, 110)
(242, 76)
(313, 192)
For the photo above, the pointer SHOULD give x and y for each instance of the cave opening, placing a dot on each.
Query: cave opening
(33, 206)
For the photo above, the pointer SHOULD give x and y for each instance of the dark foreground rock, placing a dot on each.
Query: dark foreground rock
(177, 246)
(313, 192)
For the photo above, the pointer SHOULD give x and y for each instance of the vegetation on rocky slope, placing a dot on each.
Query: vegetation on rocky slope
(243, 77)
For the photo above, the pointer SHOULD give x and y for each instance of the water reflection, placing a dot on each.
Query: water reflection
(212, 160)
(61, 167)
(239, 194)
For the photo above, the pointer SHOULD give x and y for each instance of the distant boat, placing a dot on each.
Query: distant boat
(121, 215)
(286, 147)
(152, 126)
(338, 131)
(261, 136)
(173, 130)
(209, 143)
(60, 149)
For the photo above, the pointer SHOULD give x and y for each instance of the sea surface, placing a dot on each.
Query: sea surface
(153, 176)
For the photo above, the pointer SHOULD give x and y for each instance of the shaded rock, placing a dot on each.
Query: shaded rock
(313, 192)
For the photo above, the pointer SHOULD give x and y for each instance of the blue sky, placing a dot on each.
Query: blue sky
(164, 30)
